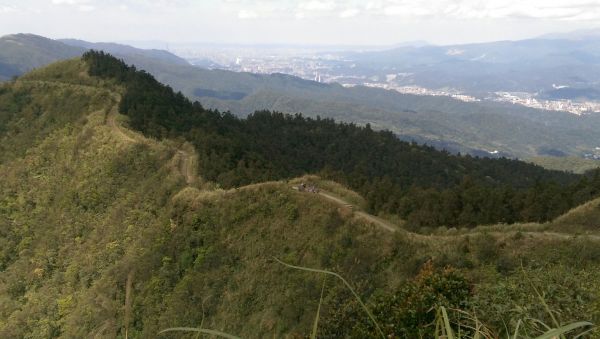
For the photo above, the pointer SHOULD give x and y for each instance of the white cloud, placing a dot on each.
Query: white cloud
(86, 8)
(247, 14)
(349, 13)
(301, 21)
(318, 6)
(7, 9)
(70, 2)
(81, 5)
(415, 9)
(558, 10)
(407, 11)
(491, 9)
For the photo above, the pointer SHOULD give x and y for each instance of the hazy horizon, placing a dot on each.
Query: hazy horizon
(297, 22)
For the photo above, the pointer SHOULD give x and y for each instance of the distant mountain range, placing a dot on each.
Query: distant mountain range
(127, 51)
(20, 53)
(484, 128)
(531, 65)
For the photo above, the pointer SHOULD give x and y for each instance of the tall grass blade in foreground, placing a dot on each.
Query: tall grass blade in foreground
(313, 335)
(444, 330)
(128, 298)
(561, 331)
(362, 304)
(442, 326)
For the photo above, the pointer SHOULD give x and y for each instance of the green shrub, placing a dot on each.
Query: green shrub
(406, 313)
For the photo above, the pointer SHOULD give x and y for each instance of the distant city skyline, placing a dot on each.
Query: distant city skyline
(298, 22)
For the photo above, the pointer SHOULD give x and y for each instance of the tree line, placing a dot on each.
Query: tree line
(425, 186)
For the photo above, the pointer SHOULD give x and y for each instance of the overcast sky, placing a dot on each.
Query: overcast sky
(350, 22)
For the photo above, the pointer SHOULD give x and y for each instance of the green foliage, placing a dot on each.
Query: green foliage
(408, 312)
(454, 323)
(424, 186)
(31, 110)
(84, 213)
(570, 295)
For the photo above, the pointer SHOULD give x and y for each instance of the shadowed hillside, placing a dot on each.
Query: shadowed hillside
(20, 53)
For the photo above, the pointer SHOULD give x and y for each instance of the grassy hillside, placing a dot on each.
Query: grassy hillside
(85, 207)
(101, 234)
(584, 219)
(567, 164)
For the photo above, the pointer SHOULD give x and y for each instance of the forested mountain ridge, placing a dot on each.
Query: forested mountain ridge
(89, 217)
(424, 186)
(21, 53)
(476, 128)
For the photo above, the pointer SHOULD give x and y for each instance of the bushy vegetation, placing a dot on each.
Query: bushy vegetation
(100, 235)
(420, 184)
(407, 312)
(31, 110)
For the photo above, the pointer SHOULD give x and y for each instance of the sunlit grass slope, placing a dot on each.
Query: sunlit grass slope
(84, 210)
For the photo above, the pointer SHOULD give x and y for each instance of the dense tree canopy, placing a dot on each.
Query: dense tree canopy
(425, 186)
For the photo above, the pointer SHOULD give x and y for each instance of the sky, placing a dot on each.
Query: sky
(320, 22)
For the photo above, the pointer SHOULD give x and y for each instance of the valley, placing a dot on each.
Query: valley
(317, 169)
(131, 192)
(496, 71)
(477, 128)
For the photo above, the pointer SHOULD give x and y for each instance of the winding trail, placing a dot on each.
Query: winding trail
(187, 166)
(369, 217)
(186, 159)
(111, 121)
(390, 227)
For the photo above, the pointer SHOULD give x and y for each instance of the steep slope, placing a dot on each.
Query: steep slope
(582, 219)
(101, 235)
(88, 203)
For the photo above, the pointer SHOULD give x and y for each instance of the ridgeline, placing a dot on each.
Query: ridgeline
(112, 225)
